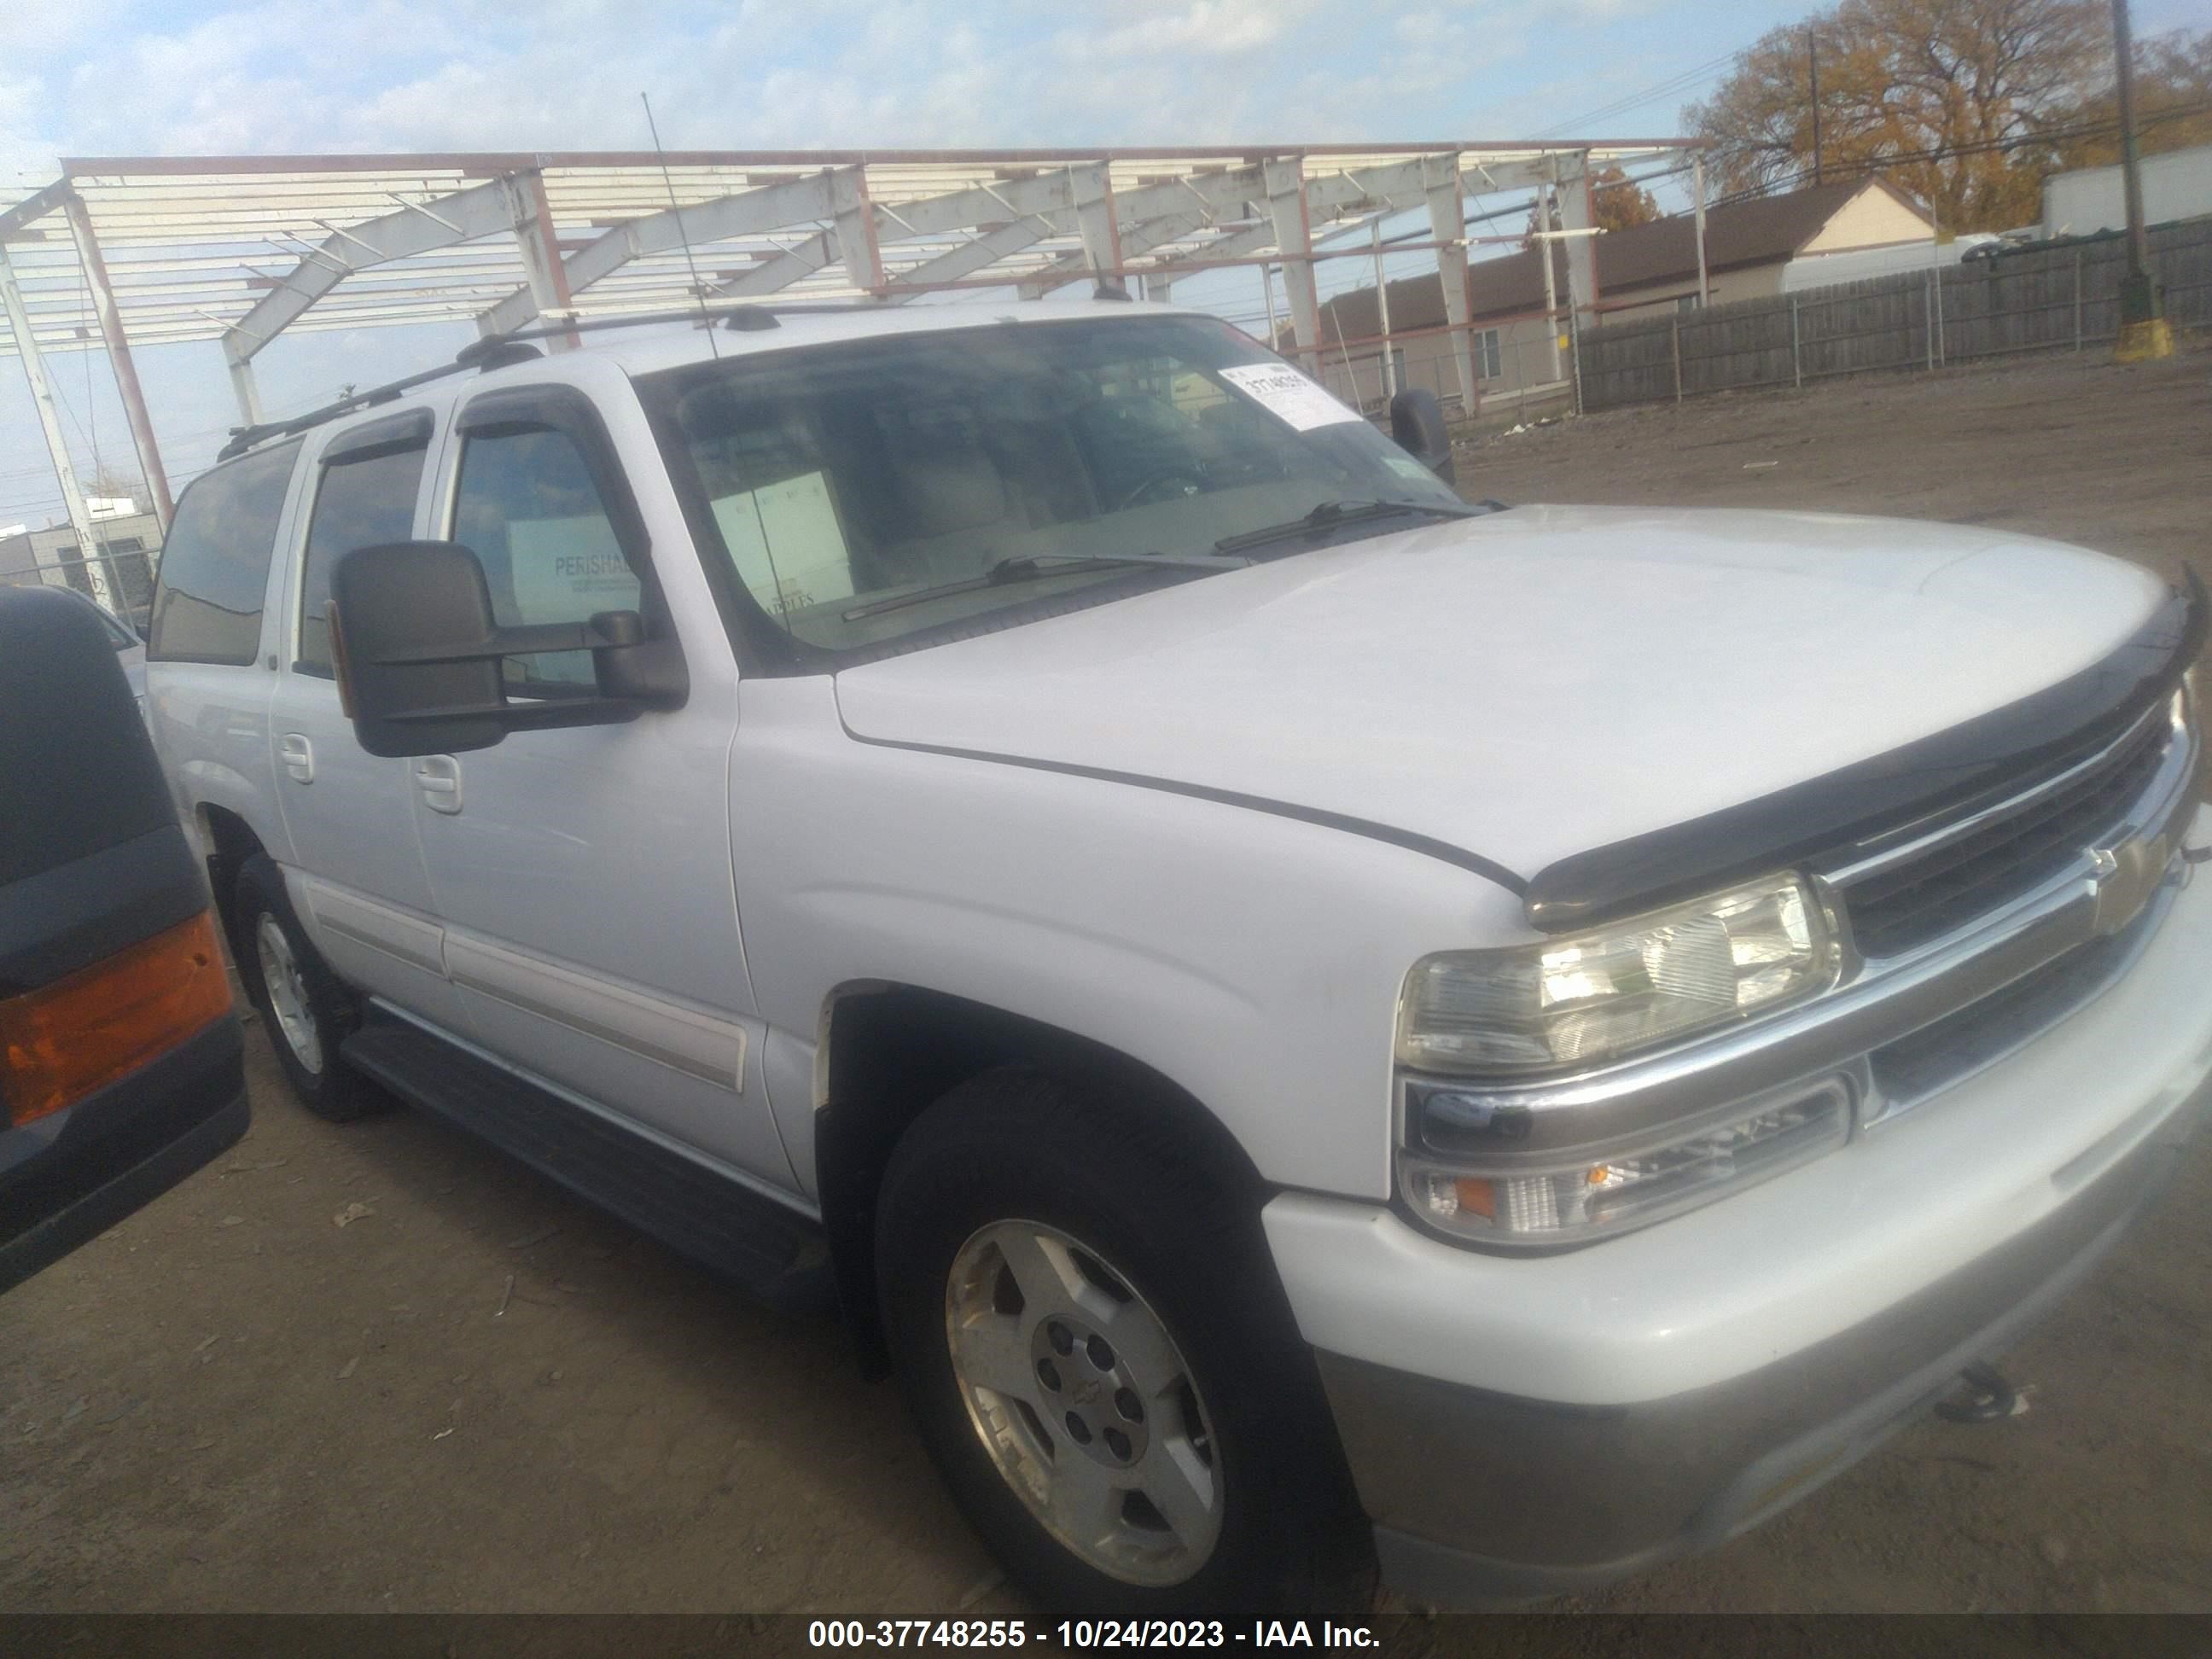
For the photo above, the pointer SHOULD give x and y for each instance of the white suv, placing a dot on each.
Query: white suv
(1296, 1014)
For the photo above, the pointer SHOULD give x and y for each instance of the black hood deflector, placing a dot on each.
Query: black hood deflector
(1833, 817)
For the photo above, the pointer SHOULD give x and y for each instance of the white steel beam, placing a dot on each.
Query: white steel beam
(1575, 217)
(42, 394)
(853, 229)
(788, 202)
(531, 219)
(119, 358)
(242, 384)
(1093, 189)
(785, 269)
(481, 210)
(1252, 239)
(19, 218)
(1441, 185)
(986, 249)
(1154, 214)
(1287, 207)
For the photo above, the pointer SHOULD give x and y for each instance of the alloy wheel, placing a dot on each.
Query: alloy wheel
(288, 994)
(1083, 1402)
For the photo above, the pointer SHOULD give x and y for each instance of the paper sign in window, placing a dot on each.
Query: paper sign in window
(563, 570)
(1288, 396)
(784, 540)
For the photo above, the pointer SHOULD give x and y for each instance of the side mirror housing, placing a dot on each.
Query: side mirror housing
(1417, 422)
(417, 650)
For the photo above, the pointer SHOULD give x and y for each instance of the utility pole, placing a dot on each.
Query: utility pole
(1704, 280)
(1544, 245)
(2144, 333)
(42, 394)
(1812, 70)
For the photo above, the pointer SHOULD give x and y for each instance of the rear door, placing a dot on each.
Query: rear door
(355, 864)
(208, 675)
(583, 874)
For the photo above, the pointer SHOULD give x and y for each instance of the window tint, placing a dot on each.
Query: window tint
(364, 500)
(528, 509)
(215, 567)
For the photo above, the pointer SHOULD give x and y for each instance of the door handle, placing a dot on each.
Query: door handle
(438, 778)
(299, 757)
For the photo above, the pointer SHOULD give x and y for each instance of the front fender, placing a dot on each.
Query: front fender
(1254, 961)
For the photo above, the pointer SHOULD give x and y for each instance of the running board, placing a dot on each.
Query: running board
(781, 1256)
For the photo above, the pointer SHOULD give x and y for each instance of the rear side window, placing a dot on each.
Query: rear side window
(215, 567)
(365, 498)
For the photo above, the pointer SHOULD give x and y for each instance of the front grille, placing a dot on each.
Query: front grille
(1950, 886)
(1933, 1058)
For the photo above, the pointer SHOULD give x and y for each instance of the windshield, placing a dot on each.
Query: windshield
(885, 490)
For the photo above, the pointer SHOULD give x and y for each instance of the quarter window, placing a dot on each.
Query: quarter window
(528, 507)
(366, 498)
(215, 567)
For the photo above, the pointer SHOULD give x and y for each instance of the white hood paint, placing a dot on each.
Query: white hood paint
(1534, 684)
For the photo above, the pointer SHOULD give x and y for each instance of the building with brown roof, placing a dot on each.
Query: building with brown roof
(1641, 272)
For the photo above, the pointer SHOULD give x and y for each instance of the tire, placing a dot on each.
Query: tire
(307, 1011)
(1106, 1216)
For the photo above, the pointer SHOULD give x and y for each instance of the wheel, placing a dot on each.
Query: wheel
(307, 1011)
(1090, 1335)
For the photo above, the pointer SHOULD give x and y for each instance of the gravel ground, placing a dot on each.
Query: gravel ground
(477, 1394)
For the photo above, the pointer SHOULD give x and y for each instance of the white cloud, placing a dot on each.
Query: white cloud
(1213, 26)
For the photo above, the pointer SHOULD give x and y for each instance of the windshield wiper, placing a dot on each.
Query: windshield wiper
(1029, 566)
(1329, 514)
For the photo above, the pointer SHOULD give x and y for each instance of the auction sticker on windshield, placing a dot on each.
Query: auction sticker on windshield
(1288, 396)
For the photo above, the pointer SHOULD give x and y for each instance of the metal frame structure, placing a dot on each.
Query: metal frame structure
(158, 249)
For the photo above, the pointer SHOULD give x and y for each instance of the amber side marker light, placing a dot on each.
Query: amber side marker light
(62, 1040)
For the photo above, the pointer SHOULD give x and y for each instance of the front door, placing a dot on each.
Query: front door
(583, 874)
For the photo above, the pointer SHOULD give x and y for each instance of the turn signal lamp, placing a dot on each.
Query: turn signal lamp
(64, 1041)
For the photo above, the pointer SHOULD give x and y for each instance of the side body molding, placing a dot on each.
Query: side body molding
(653, 1026)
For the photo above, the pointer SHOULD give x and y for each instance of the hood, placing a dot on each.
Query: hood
(1534, 683)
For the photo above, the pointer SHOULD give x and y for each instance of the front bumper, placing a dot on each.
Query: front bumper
(1520, 1427)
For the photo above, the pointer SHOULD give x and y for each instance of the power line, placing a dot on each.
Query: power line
(1673, 84)
(1782, 182)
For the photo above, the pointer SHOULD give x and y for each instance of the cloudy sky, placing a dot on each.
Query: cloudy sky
(116, 77)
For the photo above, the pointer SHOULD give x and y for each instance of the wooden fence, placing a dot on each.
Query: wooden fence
(2056, 299)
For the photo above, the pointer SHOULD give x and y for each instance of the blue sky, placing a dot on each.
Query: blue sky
(104, 77)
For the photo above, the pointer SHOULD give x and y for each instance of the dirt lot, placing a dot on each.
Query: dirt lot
(481, 1396)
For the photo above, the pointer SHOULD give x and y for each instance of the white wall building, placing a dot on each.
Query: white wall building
(2175, 186)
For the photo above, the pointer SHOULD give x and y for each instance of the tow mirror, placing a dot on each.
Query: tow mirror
(417, 650)
(1417, 422)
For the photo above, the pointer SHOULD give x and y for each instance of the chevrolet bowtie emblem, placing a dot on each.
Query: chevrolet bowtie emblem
(2125, 877)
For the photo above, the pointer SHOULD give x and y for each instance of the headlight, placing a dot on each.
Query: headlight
(1580, 1002)
(1599, 1194)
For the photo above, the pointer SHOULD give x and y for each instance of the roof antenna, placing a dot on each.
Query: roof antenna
(706, 318)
